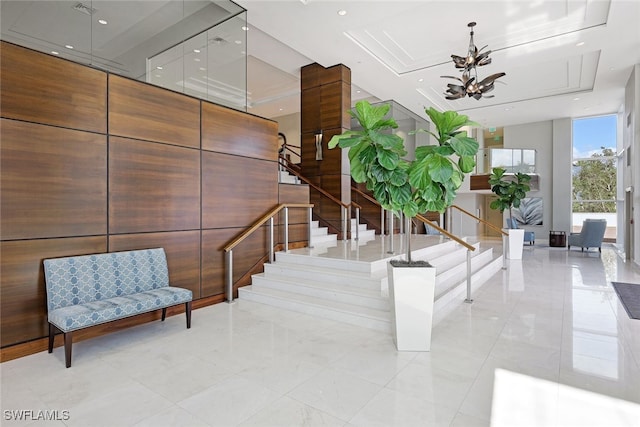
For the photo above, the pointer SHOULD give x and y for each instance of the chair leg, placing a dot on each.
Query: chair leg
(187, 309)
(68, 341)
(52, 331)
(164, 313)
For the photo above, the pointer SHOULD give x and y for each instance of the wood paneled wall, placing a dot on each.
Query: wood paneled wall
(93, 162)
(325, 103)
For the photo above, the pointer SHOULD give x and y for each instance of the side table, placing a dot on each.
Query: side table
(557, 239)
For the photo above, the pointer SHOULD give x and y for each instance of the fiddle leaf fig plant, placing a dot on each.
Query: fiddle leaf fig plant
(509, 192)
(428, 183)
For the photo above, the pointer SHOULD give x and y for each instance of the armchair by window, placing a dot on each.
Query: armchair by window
(529, 236)
(590, 236)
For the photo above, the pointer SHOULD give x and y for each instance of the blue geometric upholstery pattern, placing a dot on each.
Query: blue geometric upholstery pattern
(92, 289)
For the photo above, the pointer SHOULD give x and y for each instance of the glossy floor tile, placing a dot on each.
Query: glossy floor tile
(546, 343)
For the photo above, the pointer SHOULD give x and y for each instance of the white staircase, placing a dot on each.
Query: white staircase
(337, 281)
(286, 178)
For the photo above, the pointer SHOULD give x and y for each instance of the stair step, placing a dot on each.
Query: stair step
(365, 297)
(301, 272)
(343, 312)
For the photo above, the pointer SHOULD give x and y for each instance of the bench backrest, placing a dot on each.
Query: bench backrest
(82, 279)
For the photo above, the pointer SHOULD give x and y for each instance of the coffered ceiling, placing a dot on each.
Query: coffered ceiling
(561, 58)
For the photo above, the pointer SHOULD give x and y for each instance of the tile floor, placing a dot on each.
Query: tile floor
(545, 343)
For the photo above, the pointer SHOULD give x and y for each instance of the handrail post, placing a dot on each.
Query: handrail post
(468, 300)
(344, 223)
(310, 222)
(357, 223)
(271, 257)
(390, 216)
(286, 229)
(229, 278)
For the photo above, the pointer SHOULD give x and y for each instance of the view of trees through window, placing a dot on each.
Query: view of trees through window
(594, 169)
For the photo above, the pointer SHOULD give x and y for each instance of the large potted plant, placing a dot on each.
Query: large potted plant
(509, 191)
(428, 183)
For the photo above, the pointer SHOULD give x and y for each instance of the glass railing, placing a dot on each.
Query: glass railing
(514, 160)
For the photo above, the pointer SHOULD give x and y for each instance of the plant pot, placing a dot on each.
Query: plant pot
(515, 242)
(411, 293)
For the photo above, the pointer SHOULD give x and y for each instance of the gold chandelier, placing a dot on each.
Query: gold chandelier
(470, 85)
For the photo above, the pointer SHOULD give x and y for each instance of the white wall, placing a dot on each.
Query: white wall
(290, 126)
(631, 135)
(561, 179)
(539, 136)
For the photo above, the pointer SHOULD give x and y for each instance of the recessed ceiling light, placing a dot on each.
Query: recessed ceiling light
(342, 12)
(102, 21)
(238, 41)
(68, 46)
(281, 109)
(420, 80)
(358, 91)
(245, 28)
(579, 43)
(507, 109)
(55, 52)
(576, 99)
(202, 69)
(196, 50)
(158, 68)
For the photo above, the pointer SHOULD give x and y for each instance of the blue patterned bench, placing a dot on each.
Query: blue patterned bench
(88, 290)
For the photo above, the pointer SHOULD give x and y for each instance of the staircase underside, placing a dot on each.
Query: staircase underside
(347, 280)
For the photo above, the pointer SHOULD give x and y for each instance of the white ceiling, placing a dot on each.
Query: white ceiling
(561, 58)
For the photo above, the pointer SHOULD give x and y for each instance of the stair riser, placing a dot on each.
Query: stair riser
(327, 294)
(328, 276)
(458, 273)
(350, 318)
(443, 303)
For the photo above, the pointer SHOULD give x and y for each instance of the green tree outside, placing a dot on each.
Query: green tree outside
(594, 183)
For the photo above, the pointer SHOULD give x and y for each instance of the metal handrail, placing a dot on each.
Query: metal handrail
(493, 227)
(485, 222)
(345, 207)
(453, 237)
(446, 233)
(374, 201)
(228, 248)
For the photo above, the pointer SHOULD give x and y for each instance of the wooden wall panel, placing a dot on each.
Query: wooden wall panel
(236, 191)
(310, 101)
(52, 181)
(22, 290)
(245, 256)
(220, 133)
(45, 89)
(152, 187)
(142, 111)
(182, 249)
(331, 105)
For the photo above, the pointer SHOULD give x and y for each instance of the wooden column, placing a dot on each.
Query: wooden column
(325, 104)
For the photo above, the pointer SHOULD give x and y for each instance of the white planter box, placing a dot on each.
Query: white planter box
(515, 241)
(411, 291)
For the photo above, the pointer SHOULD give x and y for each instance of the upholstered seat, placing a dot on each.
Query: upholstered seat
(529, 236)
(590, 236)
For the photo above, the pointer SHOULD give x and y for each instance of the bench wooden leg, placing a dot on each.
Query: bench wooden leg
(187, 307)
(164, 313)
(52, 331)
(67, 348)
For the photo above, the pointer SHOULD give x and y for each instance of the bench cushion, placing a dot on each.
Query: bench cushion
(78, 316)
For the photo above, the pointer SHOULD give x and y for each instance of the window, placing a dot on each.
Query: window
(594, 171)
